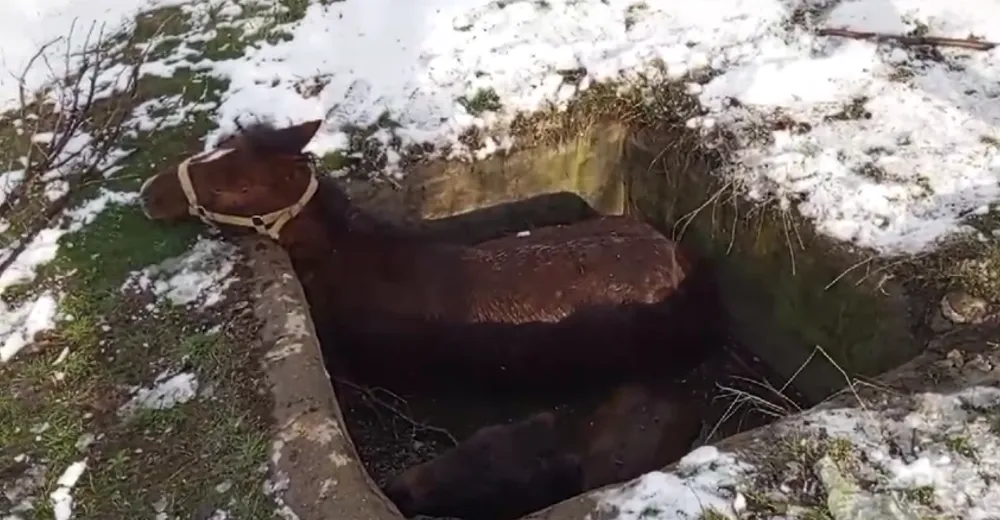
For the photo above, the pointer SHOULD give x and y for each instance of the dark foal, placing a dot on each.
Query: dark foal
(499, 473)
(603, 299)
(506, 471)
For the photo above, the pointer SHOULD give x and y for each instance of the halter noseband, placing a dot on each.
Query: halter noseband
(269, 224)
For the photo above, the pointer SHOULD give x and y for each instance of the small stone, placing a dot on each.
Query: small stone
(962, 307)
(84, 441)
(955, 358)
(980, 363)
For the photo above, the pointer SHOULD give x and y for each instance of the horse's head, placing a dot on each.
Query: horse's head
(259, 178)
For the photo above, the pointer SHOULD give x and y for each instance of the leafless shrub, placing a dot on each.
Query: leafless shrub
(69, 131)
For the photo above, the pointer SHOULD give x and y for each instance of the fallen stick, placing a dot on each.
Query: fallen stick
(939, 41)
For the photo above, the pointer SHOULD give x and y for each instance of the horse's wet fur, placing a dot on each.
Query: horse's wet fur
(638, 430)
(595, 300)
(502, 472)
(605, 299)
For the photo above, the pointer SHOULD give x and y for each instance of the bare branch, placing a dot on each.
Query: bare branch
(937, 41)
(82, 109)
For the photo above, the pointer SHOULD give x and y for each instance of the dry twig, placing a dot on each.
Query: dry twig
(937, 41)
(370, 395)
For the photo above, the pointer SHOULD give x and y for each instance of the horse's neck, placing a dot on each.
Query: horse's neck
(357, 244)
(364, 226)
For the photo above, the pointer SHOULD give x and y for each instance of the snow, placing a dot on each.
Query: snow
(167, 391)
(19, 325)
(62, 25)
(9, 181)
(930, 136)
(202, 274)
(62, 500)
(695, 488)
(43, 248)
(947, 442)
(20, 322)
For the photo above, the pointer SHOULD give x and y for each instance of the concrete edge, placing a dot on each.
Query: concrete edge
(954, 365)
(315, 470)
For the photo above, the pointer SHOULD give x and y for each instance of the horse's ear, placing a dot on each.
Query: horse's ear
(302, 133)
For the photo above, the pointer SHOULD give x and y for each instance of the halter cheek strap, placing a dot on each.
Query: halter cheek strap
(269, 224)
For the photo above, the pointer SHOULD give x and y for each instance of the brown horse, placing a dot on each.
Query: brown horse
(499, 473)
(607, 298)
(506, 471)
(638, 430)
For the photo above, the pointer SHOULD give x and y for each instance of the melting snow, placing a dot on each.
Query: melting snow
(19, 324)
(948, 444)
(61, 25)
(166, 392)
(42, 249)
(696, 487)
(928, 131)
(9, 181)
(62, 500)
(201, 274)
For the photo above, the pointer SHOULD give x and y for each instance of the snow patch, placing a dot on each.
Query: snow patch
(19, 325)
(697, 485)
(202, 274)
(9, 181)
(919, 156)
(948, 444)
(43, 248)
(62, 500)
(167, 391)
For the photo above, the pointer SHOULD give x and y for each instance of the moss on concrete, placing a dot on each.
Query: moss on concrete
(587, 165)
(788, 289)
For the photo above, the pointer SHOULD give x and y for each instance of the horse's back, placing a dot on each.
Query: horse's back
(551, 272)
(604, 300)
(615, 225)
(592, 345)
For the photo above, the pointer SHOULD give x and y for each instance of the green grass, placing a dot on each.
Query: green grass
(186, 461)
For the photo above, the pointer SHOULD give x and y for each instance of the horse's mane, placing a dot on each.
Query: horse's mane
(337, 207)
(263, 138)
